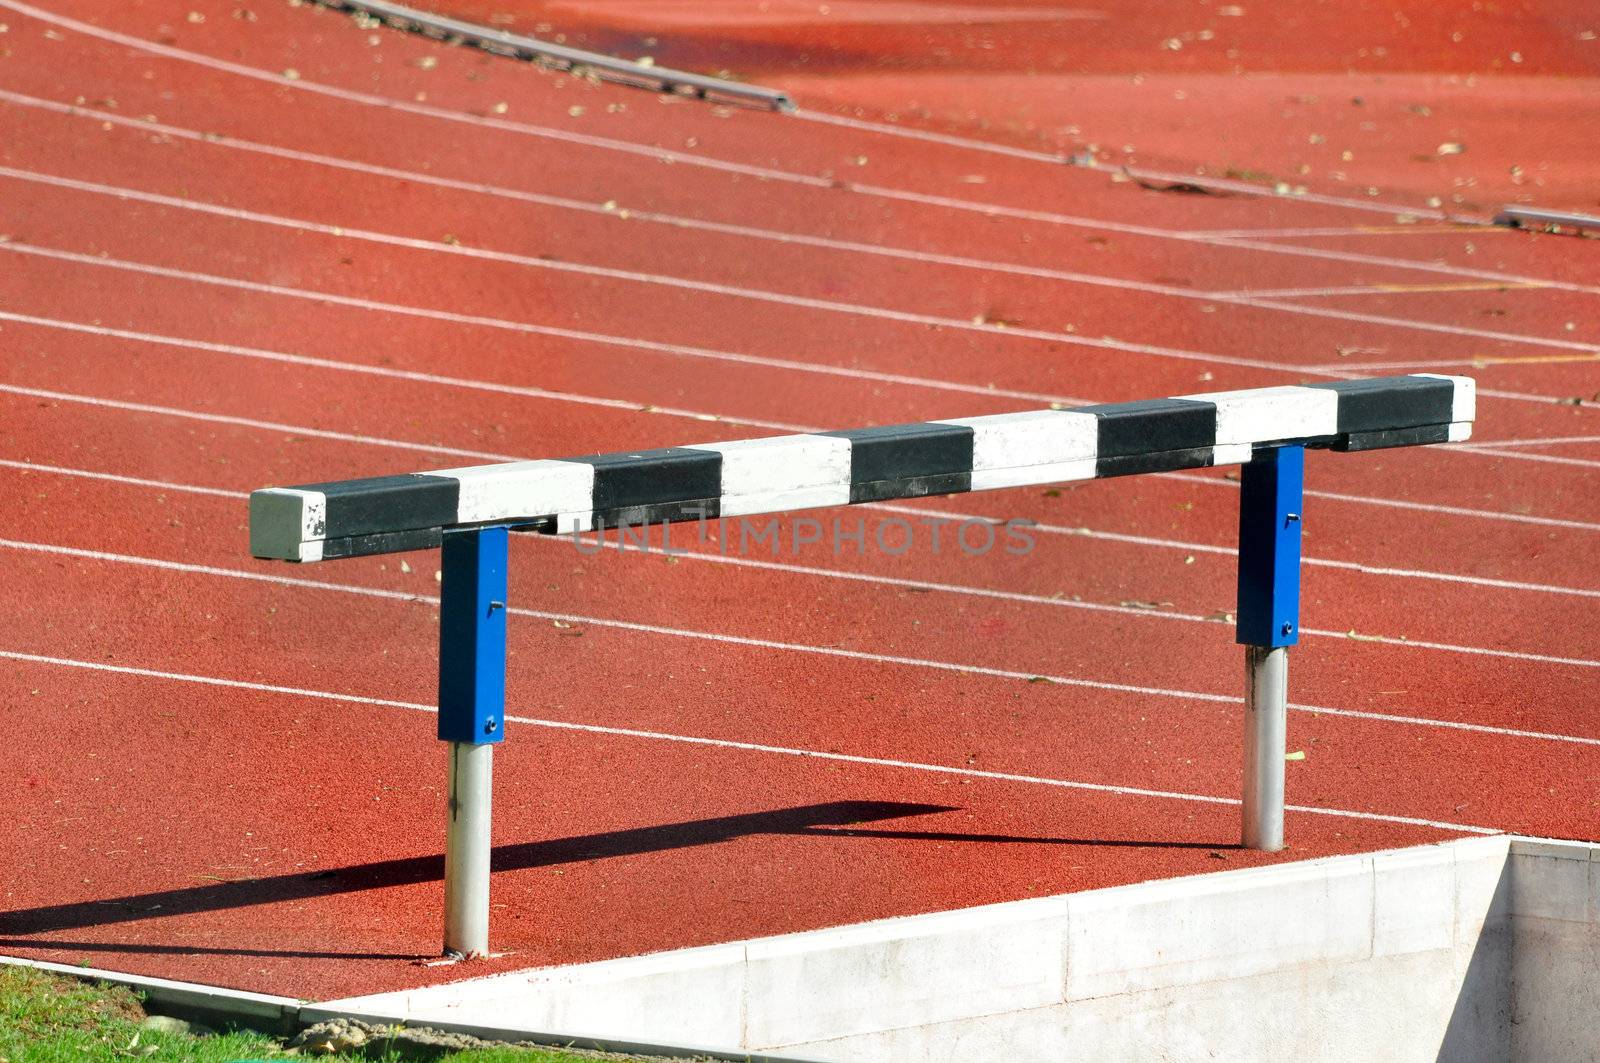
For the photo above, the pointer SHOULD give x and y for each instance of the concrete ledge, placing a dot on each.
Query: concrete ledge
(1479, 950)
(1405, 954)
(190, 1000)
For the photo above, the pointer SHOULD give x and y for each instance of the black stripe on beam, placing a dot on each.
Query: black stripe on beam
(381, 543)
(911, 487)
(388, 504)
(659, 513)
(1161, 461)
(908, 460)
(644, 478)
(1393, 437)
(1150, 430)
(1392, 402)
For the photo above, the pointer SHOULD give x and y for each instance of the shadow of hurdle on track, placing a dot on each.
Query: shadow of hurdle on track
(833, 819)
(300, 886)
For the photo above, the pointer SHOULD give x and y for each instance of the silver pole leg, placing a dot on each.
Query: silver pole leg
(466, 850)
(1266, 725)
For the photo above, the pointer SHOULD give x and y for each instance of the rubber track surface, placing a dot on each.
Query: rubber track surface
(218, 276)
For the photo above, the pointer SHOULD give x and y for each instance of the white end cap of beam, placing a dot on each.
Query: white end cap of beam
(1037, 437)
(288, 524)
(522, 489)
(1262, 415)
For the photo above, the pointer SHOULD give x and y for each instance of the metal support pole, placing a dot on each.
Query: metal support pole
(1266, 725)
(466, 850)
(472, 684)
(1272, 490)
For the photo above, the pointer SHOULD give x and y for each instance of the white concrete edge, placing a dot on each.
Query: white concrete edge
(315, 1013)
(705, 963)
(407, 1006)
(1558, 848)
(284, 1013)
(187, 995)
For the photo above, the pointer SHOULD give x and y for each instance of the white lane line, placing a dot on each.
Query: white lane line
(247, 422)
(1210, 548)
(1424, 326)
(1059, 158)
(1289, 293)
(1475, 362)
(1551, 459)
(1097, 607)
(579, 335)
(773, 644)
(1254, 299)
(1463, 288)
(929, 136)
(614, 212)
(407, 107)
(411, 376)
(132, 481)
(1421, 507)
(749, 747)
(1359, 258)
(1550, 442)
(1294, 250)
(255, 352)
(634, 276)
(705, 161)
(848, 308)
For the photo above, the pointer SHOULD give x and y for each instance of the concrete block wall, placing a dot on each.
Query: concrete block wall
(1554, 892)
(1479, 950)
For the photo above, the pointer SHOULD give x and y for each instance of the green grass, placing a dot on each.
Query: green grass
(48, 1018)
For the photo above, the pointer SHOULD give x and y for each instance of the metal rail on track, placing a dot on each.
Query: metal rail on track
(1534, 218)
(560, 57)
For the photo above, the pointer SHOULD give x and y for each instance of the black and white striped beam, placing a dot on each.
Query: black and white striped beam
(386, 514)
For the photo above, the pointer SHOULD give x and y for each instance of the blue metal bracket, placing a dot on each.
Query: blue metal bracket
(1272, 490)
(472, 636)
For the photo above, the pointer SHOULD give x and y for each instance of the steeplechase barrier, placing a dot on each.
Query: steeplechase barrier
(467, 513)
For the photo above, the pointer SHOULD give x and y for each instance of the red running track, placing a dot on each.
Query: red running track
(1351, 98)
(218, 277)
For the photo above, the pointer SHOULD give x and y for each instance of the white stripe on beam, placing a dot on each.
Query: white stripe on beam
(1231, 454)
(1261, 415)
(793, 498)
(521, 489)
(764, 475)
(1005, 441)
(1029, 448)
(1030, 475)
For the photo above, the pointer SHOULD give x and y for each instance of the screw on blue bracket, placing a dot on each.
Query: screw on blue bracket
(1270, 499)
(472, 695)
